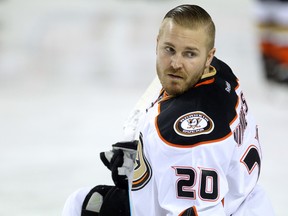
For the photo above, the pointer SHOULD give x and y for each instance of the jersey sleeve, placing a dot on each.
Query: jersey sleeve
(245, 165)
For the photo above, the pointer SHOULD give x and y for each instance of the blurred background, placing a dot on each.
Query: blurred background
(72, 70)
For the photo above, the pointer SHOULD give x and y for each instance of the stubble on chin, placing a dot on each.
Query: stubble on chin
(173, 88)
(178, 87)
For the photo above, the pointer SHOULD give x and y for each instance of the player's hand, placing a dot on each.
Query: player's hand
(120, 160)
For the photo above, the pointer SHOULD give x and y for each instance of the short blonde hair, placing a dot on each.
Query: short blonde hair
(193, 17)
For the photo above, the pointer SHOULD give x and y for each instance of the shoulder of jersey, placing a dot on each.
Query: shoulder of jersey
(203, 114)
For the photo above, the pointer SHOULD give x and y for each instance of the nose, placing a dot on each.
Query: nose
(176, 61)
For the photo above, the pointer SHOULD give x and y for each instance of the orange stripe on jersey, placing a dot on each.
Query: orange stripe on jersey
(237, 85)
(195, 211)
(206, 82)
(165, 96)
(140, 180)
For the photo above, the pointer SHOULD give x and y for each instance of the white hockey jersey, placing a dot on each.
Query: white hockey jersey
(199, 153)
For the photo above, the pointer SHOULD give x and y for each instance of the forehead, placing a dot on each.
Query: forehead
(170, 32)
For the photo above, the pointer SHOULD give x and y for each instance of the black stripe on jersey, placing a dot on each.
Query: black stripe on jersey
(203, 114)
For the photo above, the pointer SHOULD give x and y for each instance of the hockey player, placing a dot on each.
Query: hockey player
(272, 21)
(198, 151)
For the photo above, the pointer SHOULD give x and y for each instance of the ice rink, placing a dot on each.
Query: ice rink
(71, 71)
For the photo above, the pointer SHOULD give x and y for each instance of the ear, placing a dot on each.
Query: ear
(210, 56)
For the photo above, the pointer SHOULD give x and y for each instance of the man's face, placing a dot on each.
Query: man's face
(182, 57)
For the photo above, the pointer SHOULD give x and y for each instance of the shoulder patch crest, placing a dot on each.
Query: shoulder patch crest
(193, 124)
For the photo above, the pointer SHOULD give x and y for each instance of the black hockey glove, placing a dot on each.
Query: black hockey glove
(120, 160)
(104, 200)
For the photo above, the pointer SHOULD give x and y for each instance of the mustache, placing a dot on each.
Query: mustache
(172, 70)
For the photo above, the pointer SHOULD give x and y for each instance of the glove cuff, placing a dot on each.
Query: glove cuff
(106, 158)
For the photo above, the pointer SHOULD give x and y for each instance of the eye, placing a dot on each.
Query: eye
(189, 54)
(169, 50)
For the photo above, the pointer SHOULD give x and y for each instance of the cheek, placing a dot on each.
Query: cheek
(159, 69)
(196, 70)
(195, 66)
(162, 62)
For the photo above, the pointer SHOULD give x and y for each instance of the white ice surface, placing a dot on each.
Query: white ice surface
(71, 71)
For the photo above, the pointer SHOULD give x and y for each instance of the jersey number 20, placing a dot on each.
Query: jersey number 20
(208, 183)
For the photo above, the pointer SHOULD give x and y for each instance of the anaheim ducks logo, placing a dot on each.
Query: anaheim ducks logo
(142, 169)
(193, 124)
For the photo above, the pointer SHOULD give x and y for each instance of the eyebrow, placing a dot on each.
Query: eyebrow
(186, 48)
(192, 49)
